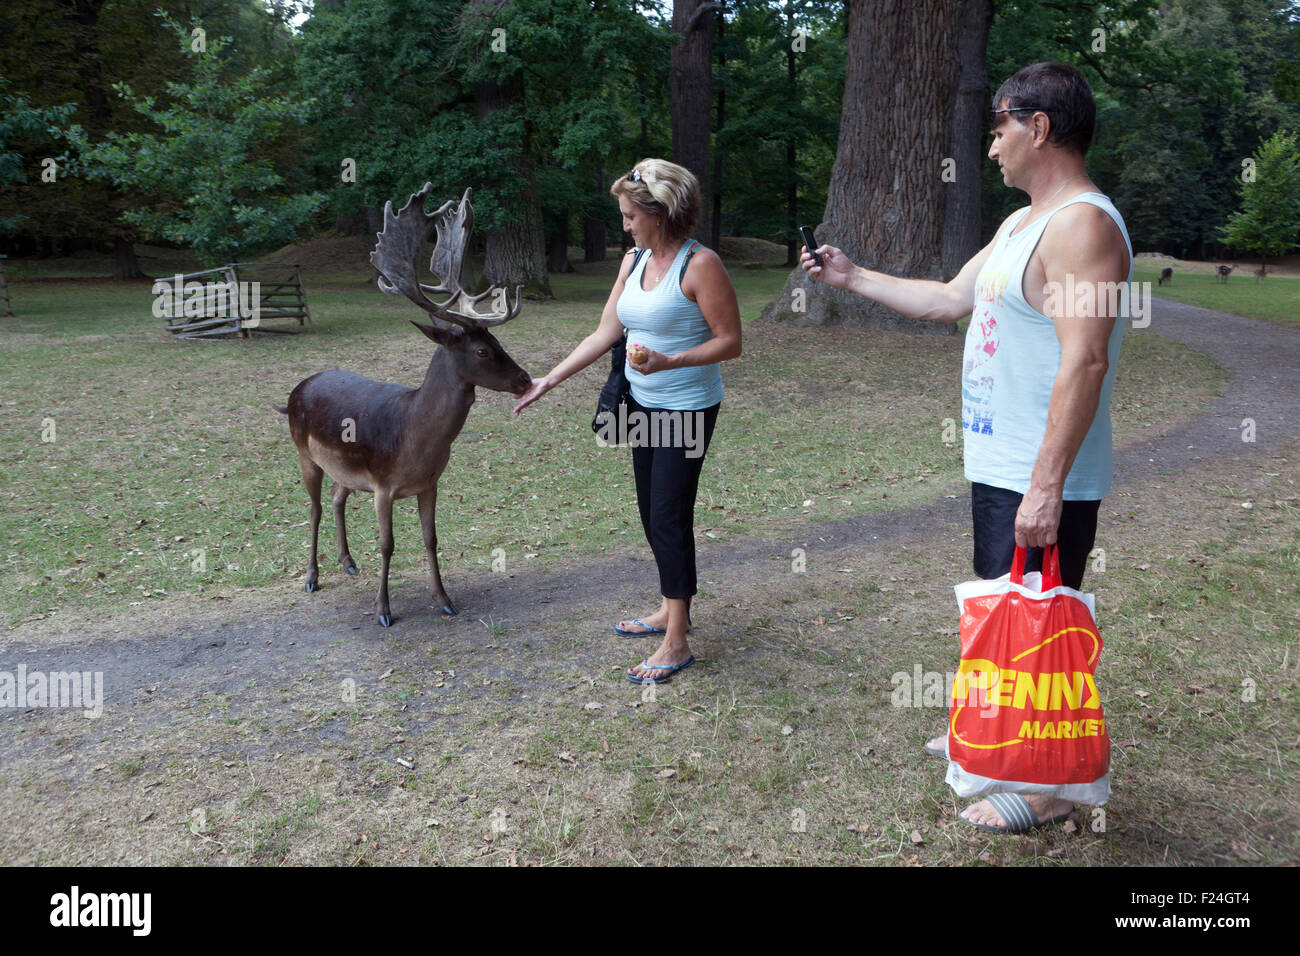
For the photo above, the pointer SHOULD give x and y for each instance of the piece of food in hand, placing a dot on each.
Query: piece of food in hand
(638, 354)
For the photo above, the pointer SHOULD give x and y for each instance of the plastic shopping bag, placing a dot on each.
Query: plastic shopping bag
(1025, 714)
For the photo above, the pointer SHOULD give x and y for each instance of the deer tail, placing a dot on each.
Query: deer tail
(282, 409)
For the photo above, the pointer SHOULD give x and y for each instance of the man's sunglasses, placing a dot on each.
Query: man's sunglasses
(993, 114)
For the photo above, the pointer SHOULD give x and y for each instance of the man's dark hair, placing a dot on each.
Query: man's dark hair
(1058, 90)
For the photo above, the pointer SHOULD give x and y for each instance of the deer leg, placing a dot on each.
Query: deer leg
(339, 497)
(428, 505)
(384, 512)
(311, 480)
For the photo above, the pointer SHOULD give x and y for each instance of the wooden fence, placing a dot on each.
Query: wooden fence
(235, 299)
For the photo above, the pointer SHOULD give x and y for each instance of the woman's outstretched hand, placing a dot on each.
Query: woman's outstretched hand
(535, 391)
(835, 270)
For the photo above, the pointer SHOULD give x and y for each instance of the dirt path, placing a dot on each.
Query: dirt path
(533, 630)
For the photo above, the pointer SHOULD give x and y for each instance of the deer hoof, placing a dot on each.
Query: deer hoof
(385, 620)
(310, 585)
(449, 610)
(351, 569)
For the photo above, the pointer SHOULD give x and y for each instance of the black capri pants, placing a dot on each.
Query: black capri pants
(666, 484)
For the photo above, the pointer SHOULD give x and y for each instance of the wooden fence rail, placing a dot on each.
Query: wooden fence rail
(238, 298)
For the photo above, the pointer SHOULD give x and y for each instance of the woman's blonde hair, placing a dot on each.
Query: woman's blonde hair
(664, 189)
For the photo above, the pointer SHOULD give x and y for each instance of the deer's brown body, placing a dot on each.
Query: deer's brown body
(390, 439)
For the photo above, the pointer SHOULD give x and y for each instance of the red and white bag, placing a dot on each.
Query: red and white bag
(1025, 714)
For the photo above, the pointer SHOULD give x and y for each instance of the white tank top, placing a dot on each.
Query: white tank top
(1010, 361)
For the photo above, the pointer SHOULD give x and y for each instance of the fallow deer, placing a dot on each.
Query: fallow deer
(1166, 275)
(391, 439)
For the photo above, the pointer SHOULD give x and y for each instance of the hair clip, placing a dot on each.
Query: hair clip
(635, 175)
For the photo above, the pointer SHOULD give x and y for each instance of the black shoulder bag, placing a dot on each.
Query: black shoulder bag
(616, 389)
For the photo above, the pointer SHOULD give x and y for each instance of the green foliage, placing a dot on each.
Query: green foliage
(209, 179)
(1182, 88)
(771, 115)
(1268, 223)
(20, 120)
(406, 88)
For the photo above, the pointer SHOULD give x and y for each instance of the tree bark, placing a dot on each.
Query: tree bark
(85, 15)
(690, 83)
(961, 229)
(715, 231)
(557, 248)
(593, 227)
(125, 265)
(791, 182)
(516, 255)
(886, 202)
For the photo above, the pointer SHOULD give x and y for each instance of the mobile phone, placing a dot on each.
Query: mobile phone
(810, 241)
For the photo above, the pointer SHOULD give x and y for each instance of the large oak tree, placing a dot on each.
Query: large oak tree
(889, 195)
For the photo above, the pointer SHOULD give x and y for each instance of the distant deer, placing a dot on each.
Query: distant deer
(391, 439)
(1261, 271)
(1166, 275)
(1223, 272)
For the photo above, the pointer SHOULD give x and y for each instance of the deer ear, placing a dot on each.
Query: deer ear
(439, 335)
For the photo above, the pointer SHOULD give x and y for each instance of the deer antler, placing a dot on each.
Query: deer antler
(397, 251)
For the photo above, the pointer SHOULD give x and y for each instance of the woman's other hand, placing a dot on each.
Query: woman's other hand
(651, 361)
(535, 391)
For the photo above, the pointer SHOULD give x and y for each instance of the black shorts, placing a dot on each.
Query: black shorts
(994, 513)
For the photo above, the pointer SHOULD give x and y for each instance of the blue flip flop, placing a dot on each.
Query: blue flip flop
(648, 632)
(670, 668)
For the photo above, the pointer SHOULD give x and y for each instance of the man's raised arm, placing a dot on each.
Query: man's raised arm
(916, 298)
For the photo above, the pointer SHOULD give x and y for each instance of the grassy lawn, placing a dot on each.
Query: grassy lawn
(1274, 299)
(522, 741)
(173, 473)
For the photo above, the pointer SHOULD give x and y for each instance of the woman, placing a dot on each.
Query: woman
(680, 310)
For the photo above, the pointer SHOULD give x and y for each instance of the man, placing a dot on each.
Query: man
(1040, 353)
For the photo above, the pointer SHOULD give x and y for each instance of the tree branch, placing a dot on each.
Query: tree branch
(704, 8)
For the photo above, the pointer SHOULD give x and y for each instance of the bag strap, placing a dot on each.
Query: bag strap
(1051, 567)
(1018, 566)
(635, 259)
(687, 261)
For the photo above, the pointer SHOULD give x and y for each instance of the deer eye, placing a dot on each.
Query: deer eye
(481, 352)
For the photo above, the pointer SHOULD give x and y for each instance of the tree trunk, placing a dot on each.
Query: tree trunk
(557, 249)
(593, 227)
(125, 265)
(886, 202)
(690, 82)
(791, 181)
(516, 255)
(961, 229)
(715, 232)
(593, 239)
(85, 14)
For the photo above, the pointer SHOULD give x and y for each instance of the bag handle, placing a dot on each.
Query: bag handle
(1051, 567)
